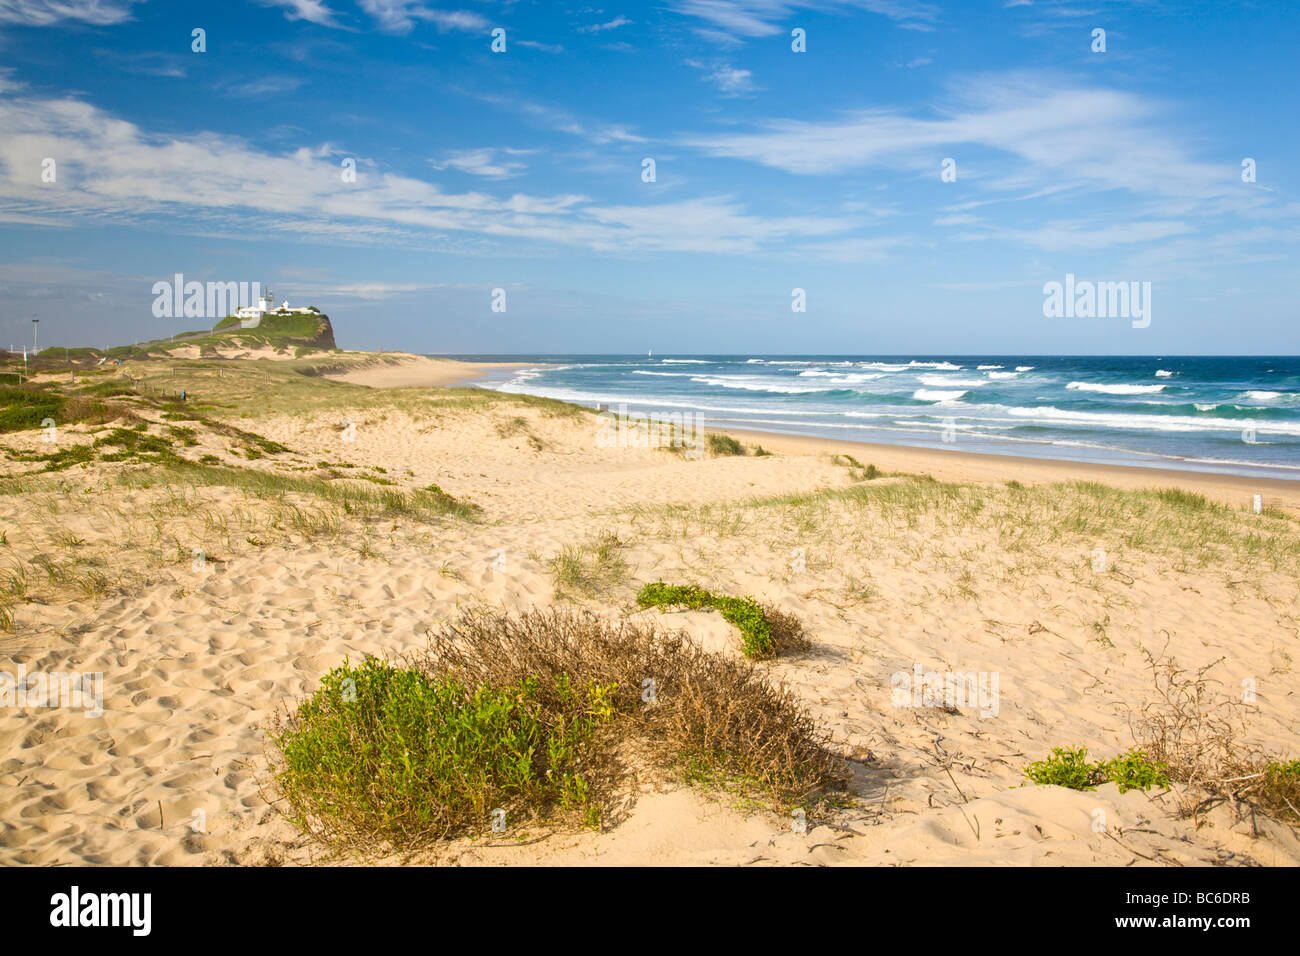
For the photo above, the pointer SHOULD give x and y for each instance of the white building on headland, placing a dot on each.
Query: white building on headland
(250, 316)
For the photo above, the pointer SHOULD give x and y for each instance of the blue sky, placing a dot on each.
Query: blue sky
(774, 169)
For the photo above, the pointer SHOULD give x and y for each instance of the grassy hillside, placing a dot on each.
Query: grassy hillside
(295, 334)
(298, 331)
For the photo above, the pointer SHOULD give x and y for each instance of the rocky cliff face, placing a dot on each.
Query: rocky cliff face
(324, 334)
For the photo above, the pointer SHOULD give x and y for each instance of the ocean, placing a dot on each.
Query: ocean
(1234, 415)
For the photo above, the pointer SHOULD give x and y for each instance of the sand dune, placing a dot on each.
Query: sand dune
(195, 661)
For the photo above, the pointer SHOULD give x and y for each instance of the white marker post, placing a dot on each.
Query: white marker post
(1259, 504)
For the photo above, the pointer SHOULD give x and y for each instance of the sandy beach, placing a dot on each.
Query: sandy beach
(403, 370)
(213, 594)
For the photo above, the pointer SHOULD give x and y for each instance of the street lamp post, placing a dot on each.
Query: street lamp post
(35, 347)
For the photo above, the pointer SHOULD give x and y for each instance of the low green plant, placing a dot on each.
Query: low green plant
(60, 460)
(392, 753)
(1279, 791)
(1065, 768)
(764, 631)
(135, 444)
(1134, 770)
(186, 436)
(543, 715)
(857, 470)
(1068, 767)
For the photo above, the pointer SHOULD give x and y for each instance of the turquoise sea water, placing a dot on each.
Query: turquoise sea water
(1238, 415)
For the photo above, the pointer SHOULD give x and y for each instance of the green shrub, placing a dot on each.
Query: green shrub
(857, 470)
(24, 408)
(1065, 768)
(112, 389)
(1133, 770)
(764, 631)
(186, 436)
(389, 752)
(65, 458)
(59, 460)
(1279, 791)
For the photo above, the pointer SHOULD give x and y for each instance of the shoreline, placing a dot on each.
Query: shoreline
(408, 370)
(974, 466)
(965, 466)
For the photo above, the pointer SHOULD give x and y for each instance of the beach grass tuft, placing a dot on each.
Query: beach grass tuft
(587, 569)
(723, 445)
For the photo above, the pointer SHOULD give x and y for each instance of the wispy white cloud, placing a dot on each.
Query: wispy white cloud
(489, 163)
(1080, 234)
(856, 249)
(1065, 135)
(562, 121)
(619, 21)
(725, 77)
(313, 11)
(111, 171)
(264, 86)
(400, 16)
(761, 18)
(537, 45)
(713, 224)
(42, 13)
(143, 63)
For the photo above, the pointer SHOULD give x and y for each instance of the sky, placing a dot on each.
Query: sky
(919, 170)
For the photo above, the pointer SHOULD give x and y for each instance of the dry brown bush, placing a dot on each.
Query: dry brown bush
(704, 716)
(1198, 733)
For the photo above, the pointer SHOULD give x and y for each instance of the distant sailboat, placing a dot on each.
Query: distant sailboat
(649, 353)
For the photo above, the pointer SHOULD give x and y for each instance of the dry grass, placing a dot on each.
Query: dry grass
(788, 635)
(1034, 529)
(1199, 733)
